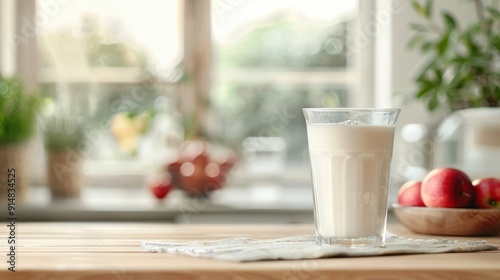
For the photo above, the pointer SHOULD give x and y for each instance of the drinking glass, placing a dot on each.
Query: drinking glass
(350, 152)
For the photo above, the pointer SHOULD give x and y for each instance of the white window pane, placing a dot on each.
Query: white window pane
(231, 17)
(273, 58)
(281, 33)
(102, 58)
(266, 110)
(150, 27)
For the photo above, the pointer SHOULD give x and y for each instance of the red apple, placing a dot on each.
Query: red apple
(487, 192)
(409, 194)
(447, 187)
(200, 168)
(161, 186)
(192, 177)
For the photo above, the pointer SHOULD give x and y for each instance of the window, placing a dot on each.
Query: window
(265, 75)
(127, 56)
(101, 59)
(103, 55)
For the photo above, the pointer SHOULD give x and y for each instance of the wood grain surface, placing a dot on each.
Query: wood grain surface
(111, 251)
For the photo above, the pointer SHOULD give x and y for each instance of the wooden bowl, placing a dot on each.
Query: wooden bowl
(449, 221)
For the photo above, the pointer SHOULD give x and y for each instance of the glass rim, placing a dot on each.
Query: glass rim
(382, 110)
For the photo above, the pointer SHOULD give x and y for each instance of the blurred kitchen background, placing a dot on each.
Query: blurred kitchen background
(121, 85)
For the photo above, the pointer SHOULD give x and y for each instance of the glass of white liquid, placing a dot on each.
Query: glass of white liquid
(350, 152)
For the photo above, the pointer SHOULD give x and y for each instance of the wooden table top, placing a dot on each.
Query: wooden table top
(111, 251)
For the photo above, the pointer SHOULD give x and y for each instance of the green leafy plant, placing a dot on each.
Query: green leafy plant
(63, 132)
(461, 69)
(18, 111)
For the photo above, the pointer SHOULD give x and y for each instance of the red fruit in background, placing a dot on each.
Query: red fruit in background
(175, 167)
(161, 186)
(200, 168)
(447, 187)
(192, 177)
(409, 194)
(216, 175)
(487, 192)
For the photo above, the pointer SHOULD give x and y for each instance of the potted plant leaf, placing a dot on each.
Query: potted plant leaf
(18, 111)
(461, 74)
(64, 139)
(461, 66)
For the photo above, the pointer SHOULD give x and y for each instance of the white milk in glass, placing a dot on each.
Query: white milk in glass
(350, 165)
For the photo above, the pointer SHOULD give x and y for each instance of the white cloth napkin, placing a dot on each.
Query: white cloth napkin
(305, 247)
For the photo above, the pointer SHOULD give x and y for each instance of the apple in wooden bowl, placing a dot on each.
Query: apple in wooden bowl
(452, 204)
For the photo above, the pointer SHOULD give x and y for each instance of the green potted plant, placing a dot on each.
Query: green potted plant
(64, 138)
(18, 111)
(461, 69)
(461, 75)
